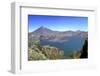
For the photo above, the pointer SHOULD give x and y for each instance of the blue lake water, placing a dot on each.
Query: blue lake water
(70, 45)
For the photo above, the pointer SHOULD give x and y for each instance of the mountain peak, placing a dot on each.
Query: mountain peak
(42, 29)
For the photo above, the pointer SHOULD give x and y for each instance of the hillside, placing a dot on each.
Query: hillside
(45, 33)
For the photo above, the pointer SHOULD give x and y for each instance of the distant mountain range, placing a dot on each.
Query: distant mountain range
(55, 36)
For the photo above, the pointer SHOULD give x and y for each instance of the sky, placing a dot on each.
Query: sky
(57, 23)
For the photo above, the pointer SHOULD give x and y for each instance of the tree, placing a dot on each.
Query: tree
(84, 53)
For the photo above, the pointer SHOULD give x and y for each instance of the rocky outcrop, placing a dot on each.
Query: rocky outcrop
(38, 52)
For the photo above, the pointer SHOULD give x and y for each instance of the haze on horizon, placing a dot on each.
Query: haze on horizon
(57, 23)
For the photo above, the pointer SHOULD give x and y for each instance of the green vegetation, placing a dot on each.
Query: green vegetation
(38, 52)
(84, 51)
(34, 55)
(52, 52)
